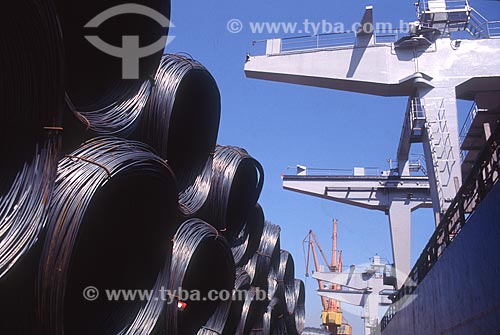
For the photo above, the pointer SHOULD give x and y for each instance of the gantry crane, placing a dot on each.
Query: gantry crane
(331, 316)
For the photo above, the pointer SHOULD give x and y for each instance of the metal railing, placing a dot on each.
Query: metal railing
(468, 123)
(493, 29)
(307, 171)
(424, 6)
(465, 130)
(480, 27)
(483, 177)
(417, 116)
(320, 41)
(330, 41)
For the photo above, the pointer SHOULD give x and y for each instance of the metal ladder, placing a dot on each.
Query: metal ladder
(441, 150)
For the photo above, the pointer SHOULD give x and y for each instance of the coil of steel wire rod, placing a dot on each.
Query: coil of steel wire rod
(106, 89)
(286, 278)
(252, 312)
(295, 321)
(246, 243)
(236, 184)
(268, 253)
(278, 326)
(281, 280)
(226, 317)
(31, 101)
(273, 303)
(241, 286)
(202, 262)
(181, 122)
(110, 224)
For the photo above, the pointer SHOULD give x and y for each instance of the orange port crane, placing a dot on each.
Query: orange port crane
(331, 316)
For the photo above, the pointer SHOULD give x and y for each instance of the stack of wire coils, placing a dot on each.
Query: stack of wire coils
(119, 213)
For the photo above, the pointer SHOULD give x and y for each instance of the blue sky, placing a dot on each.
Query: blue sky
(283, 125)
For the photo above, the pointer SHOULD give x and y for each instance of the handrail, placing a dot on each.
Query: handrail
(332, 40)
(468, 122)
(483, 177)
(311, 171)
(423, 5)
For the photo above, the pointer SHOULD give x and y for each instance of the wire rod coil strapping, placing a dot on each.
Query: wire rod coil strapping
(181, 122)
(237, 181)
(113, 215)
(241, 286)
(31, 95)
(268, 253)
(295, 322)
(201, 262)
(107, 93)
(246, 243)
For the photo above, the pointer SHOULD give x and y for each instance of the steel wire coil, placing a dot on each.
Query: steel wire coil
(181, 122)
(268, 253)
(242, 284)
(102, 99)
(252, 312)
(300, 311)
(268, 315)
(31, 96)
(237, 181)
(295, 321)
(201, 262)
(113, 215)
(149, 318)
(286, 278)
(246, 243)
(281, 280)
(226, 316)
(278, 326)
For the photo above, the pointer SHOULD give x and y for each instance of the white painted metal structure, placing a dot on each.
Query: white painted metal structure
(361, 287)
(433, 69)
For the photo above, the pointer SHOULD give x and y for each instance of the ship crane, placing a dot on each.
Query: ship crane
(331, 316)
(433, 66)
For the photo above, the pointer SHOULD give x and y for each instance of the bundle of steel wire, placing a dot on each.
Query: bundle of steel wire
(113, 215)
(281, 280)
(241, 285)
(252, 311)
(237, 180)
(226, 317)
(295, 321)
(104, 98)
(246, 243)
(149, 318)
(268, 253)
(201, 262)
(273, 303)
(31, 95)
(181, 122)
(278, 326)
